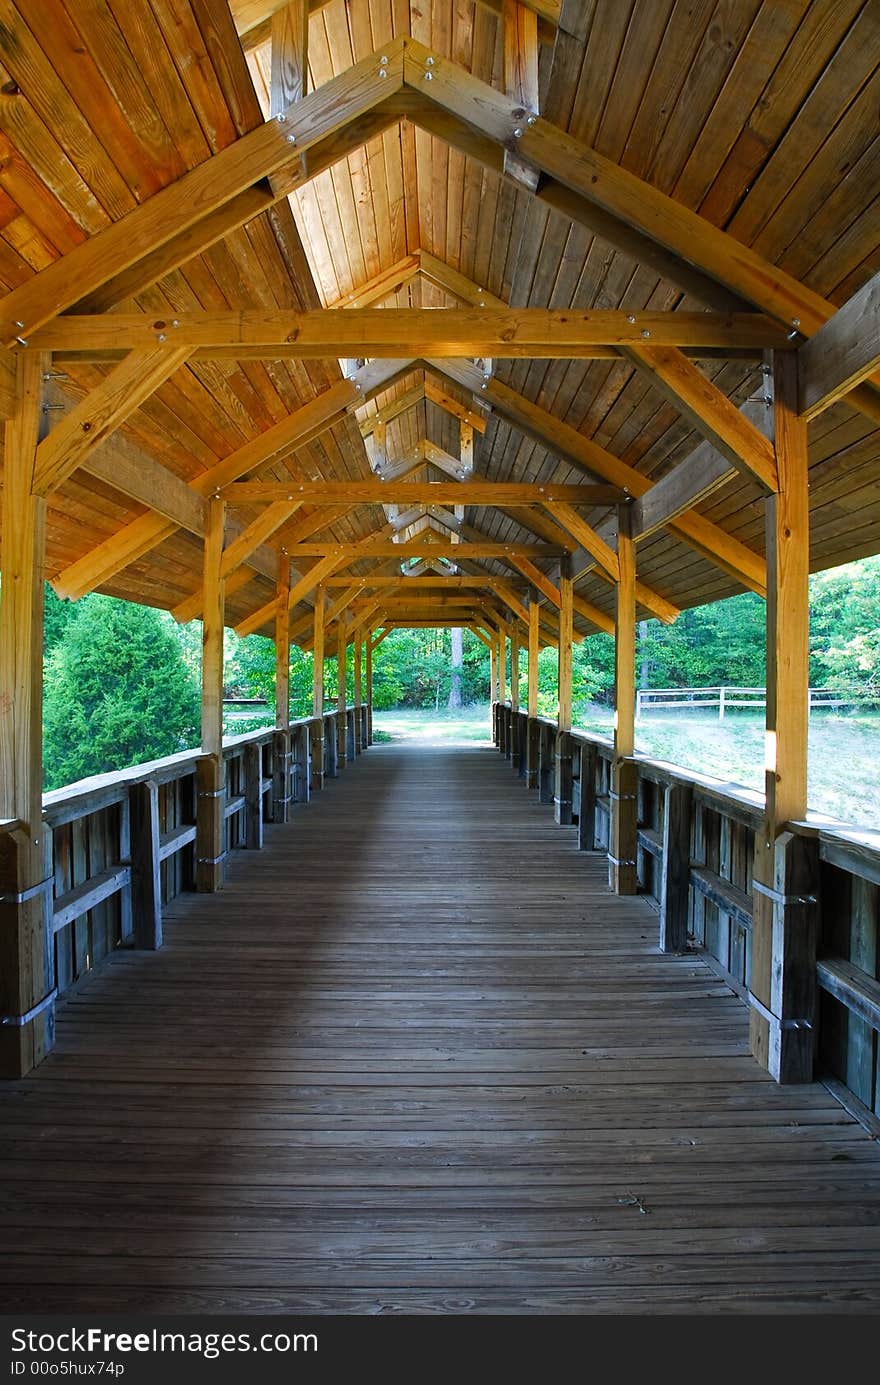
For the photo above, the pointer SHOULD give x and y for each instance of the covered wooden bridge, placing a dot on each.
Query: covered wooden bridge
(540, 318)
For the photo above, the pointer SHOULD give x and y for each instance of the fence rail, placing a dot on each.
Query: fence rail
(119, 846)
(695, 843)
(727, 698)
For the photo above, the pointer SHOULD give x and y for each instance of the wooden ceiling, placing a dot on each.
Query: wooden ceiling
(762, 117)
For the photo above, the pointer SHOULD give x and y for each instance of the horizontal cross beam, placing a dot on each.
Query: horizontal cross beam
(377, 492)
(371, 332)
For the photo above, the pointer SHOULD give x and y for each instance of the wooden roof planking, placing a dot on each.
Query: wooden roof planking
(760, 117)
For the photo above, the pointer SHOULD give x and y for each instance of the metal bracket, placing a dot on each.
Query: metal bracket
(30, 893)
(779, 898)
(623, 797)
(768, 1015)
(616, 861)
(211, 793)
(212, 860)
(19, 1021)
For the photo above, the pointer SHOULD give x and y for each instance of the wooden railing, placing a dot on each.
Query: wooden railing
(695, 842)
(125, 844)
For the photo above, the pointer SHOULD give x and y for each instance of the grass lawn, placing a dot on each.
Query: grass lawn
(844, 778)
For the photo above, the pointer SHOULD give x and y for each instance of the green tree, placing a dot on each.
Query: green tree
(117, 692)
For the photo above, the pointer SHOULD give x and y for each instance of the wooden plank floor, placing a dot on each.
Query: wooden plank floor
(415, 1058)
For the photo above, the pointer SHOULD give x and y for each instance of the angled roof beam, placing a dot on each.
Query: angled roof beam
(709, 410)
(275, 444)
(689, 239)
(559, 438)
(843, 352)
(73, 441)
(210, 185)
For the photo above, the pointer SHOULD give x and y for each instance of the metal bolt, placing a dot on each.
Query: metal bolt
(792, 336)
(795, 322)
(768, 399)
(161, 337)
(22, 341)
(291, 139)
(631, 318)
(384, 60)
(429, 61)
(429, 77)
(517, 134)
(645, 332)
(531, 120)
(19, 324)
(175, 323)
(382, 72)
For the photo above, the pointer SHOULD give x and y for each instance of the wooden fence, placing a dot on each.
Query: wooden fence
(726, 699)
(695, 846)
(124, 844)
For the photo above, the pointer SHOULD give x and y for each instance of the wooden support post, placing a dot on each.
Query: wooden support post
(300, 760)
(27, 957)
(253, 796)
(318, 690)
(493, 689)
(331, 746)
(209, 816)
(358, 691)
(369, 688)
(622, 860)
(146, 880)
(675, 869)
(563, 777)
(514, 696)
(533, 732)
(785, 878)
(281, 794)
(546, 763)
(587, 814)
(341, 696)
(281, 739)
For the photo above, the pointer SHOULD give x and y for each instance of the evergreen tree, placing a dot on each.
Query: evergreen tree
(117, 692)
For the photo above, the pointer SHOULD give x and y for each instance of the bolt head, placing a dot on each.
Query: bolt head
(382, 72)
(517, 134)
(291, 139)
(429, 76)
(645, 332)
(161, 337)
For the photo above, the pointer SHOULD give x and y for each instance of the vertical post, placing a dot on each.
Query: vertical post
(210, 771)
(253, 796)
(721, 697)
(514, 695)
(146, 881)
(358, 690)
(27, 958)
(675, 870)
(493, 687)
(785, 874)
(623, 871)
(341, 693)
(533, 733)
(369, 681)
(318, 690)
(587, 814)
(300, 748)
(281, 739)
(562, 787)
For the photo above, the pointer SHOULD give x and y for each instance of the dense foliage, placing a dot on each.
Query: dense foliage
(117, 690)
(122, 680)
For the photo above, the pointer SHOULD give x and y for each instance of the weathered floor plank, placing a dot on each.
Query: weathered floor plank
(415, 1058)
